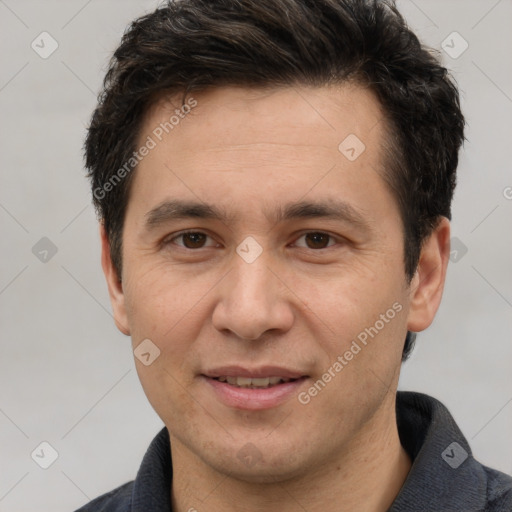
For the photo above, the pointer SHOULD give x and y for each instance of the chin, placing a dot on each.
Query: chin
(270, 463)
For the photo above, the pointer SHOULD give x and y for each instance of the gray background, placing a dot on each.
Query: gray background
(67, 376)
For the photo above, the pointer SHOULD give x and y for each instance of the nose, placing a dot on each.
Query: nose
(253, 301)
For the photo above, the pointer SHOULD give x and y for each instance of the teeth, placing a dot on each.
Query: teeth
(260, 383)
(243, 382)
(248, 382)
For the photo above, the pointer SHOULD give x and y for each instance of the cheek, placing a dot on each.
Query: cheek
(158, 297)
(169, 307)
(350, 299)
(167, 390)
(166, 308)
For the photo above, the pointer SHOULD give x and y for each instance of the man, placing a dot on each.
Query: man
(273, 181)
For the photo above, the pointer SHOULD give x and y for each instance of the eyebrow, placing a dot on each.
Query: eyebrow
(175, 209)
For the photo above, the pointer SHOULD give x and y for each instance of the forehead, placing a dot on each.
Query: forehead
(239, 142)
(329, 112)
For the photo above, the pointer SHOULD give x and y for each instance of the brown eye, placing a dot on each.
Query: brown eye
(193, 240)
(317, 240)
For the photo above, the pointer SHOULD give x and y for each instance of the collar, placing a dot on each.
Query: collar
(444, 475)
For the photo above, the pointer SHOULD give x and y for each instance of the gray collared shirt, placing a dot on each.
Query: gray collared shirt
(444, 476)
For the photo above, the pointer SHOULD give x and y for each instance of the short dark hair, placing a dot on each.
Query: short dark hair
(191, 45)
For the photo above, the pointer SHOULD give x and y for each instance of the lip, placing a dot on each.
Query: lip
(253, 399)
(255, 373)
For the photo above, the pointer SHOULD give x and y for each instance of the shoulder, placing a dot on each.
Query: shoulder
(499, 491)
(117, 500)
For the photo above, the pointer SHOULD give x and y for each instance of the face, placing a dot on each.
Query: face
(263, 258)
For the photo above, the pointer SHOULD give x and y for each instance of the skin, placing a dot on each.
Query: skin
(300, 304)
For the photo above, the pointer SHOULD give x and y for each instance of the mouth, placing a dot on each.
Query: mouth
(255, 389)
(254, 383)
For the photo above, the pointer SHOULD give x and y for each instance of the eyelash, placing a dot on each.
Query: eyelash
(169, 241)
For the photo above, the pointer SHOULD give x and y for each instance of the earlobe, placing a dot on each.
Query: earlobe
(115, 287)
(428, 283)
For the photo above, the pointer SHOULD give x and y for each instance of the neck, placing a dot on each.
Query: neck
(366, 477)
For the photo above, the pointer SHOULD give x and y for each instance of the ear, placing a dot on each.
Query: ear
(115, 286)
(428, 282)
